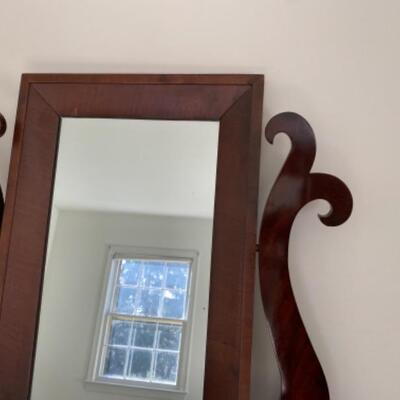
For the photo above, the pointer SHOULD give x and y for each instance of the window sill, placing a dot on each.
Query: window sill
(135, 390)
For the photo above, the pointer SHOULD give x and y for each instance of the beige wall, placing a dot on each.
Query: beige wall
(337, 63)
(73, 283)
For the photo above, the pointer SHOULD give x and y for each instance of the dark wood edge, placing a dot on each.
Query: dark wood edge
(301, 373)
(215, 100)
(11, 191)
(157, 79)
(3, 125)
(249, 99)
(251, 235)
(3, 129)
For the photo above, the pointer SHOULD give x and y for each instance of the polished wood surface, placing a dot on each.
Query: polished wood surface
(233, 100)
(301, 372)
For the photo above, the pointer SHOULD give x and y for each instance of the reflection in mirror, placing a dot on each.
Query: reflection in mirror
(126, 285)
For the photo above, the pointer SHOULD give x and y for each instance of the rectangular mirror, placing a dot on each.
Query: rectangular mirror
(127, 251)
(126, 284)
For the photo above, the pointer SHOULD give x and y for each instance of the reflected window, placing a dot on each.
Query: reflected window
(145, 320)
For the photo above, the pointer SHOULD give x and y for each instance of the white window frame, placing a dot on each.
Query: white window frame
(94, 379)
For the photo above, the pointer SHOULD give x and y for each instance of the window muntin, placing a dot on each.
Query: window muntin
(146, 318)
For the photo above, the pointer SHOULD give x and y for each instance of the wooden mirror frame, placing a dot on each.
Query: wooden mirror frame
(233, 100)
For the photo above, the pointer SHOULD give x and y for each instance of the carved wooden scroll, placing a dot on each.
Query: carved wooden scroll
(301, 372)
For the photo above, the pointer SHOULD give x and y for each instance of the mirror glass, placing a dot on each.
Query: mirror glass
(125, 294)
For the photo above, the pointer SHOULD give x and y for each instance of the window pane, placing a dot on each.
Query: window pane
(177, 276)
(149, 302)
(169, 337)
(174, 304)
(166, 367)
(120, 331)
(147, 288)
(126, 300)
(115, 362)
(140, 367)
(130, 272)
(153, 274)
(144, 334)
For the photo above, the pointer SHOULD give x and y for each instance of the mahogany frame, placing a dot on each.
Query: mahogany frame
(233, 100)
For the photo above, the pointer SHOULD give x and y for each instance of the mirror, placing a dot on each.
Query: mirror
(128, 243)
(126, 283)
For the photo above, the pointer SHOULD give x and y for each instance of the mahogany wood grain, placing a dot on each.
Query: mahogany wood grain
(301, 372)
(235, 101)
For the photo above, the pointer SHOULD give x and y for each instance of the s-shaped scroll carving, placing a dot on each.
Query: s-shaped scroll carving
(301, 372)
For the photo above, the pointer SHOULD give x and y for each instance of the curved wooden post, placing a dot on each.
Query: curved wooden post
(301, 372)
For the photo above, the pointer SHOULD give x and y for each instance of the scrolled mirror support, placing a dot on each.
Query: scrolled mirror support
(301, 373)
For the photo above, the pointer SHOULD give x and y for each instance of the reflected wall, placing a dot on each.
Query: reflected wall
(125, 298)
